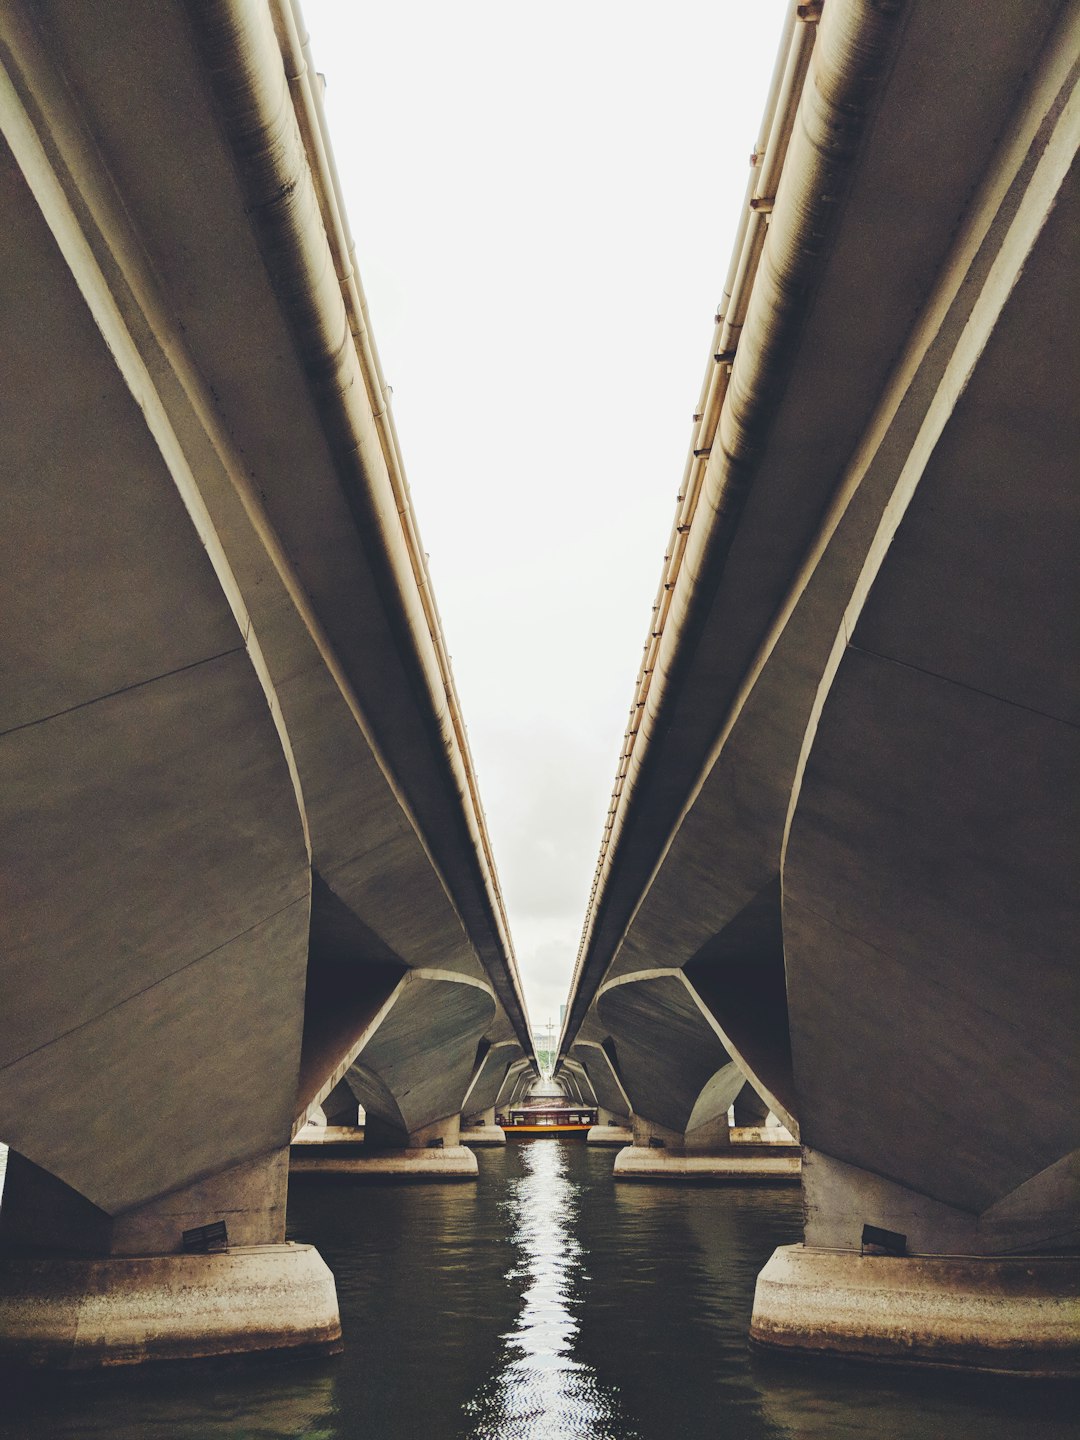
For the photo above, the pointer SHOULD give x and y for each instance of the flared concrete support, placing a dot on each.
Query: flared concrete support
(84, 1314)
(750, 1111)
(442, 1134)
(620, 1118)
(1014, 1316)
(325, 1137)
(341, 1107)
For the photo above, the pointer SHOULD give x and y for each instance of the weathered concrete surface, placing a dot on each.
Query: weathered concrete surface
(79, 1314)
(433, 1152)
(761, 1135)
(597, 1065)
(704, 1152)
(742, 1164)
(620, 1135)
(485, 1136)
(451, 1162)
(670, 1059)
(315, 1136)
(1015, 1316)
(498, 1060)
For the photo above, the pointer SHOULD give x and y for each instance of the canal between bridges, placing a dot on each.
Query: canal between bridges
(543, 1302)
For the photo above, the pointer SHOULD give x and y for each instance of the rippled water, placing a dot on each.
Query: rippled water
(541, 1389)
(542, 1303)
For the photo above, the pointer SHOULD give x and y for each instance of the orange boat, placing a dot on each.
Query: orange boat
(548, 1120)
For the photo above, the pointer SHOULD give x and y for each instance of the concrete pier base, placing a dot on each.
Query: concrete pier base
(378, 1152)
(1014, 1316)
(484, 1135)
(779, 1165)
(610, 1135)
(451, 1162)
(329, 1135)
(86, 1314)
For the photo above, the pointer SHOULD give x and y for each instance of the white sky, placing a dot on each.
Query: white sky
(544, 199)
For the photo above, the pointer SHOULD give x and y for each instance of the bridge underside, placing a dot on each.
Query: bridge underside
(842, 856)
(246, 851)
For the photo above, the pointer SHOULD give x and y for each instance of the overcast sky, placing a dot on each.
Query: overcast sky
(544, 199)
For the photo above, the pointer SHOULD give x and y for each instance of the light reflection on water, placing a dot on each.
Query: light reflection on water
(541, 1302)
(539, 1390)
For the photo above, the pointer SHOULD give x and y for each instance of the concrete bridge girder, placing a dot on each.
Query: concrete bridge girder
(583, 1088)
(667, 1051)
(519, 1079)
(739, 807)
(236, 772)
(737, 751)
(932, 823)
(858, 699)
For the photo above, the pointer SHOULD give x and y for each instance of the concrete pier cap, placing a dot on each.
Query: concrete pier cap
(1013, 1315)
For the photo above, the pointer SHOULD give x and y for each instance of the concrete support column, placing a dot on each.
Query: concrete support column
(80, 1289)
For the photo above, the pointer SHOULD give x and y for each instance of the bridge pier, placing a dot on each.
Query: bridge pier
(610, 1129)
(888, 1273)
(705, 1153)
(432, 1152)
(480, 1129)
(1013, 1315)
(80, 1289)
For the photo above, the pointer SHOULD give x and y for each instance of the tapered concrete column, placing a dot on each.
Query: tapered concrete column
(481, 1129)
(703, 1154)
(81, 1289)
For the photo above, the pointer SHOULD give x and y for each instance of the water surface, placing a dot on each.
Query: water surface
(542, 1303)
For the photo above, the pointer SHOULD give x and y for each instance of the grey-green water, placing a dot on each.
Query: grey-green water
(543, 1303)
